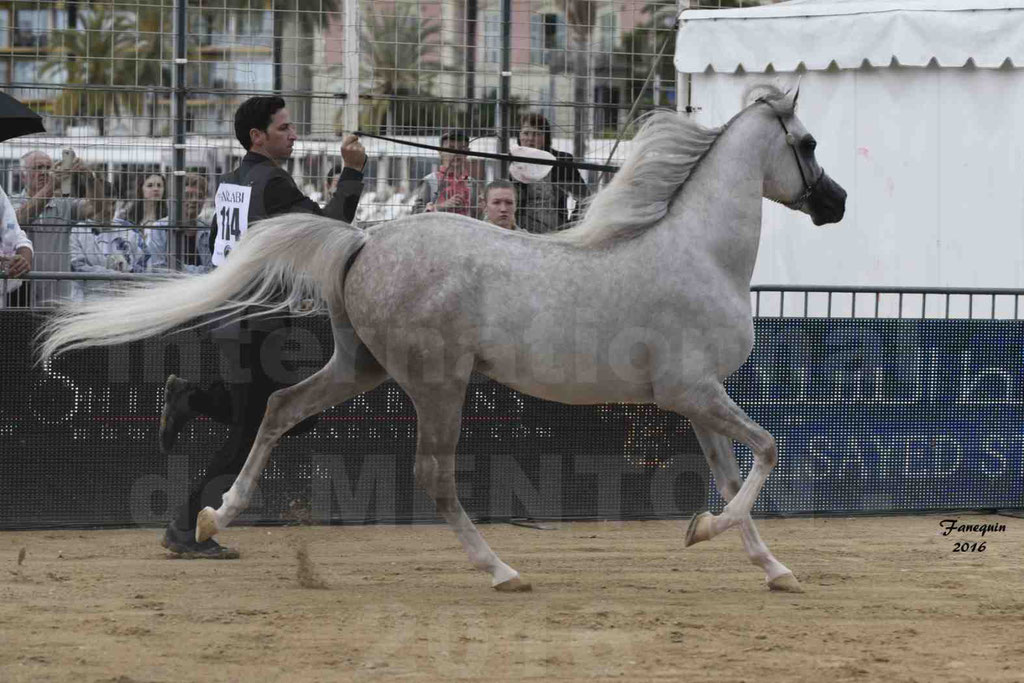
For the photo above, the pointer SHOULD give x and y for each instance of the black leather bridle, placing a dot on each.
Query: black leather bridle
(809, 188)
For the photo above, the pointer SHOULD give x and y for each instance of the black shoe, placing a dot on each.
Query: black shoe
(182, 542)
(176, 413)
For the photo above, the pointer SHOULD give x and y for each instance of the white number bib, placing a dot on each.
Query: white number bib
(232, 211)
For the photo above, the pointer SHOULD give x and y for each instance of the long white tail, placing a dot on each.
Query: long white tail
(279, 262)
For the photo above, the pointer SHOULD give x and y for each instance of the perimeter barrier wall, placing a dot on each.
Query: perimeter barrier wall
(871, 415)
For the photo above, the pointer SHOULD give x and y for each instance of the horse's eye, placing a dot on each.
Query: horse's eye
(809, 143)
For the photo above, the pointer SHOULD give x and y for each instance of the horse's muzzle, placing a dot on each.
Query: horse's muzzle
(827, 203)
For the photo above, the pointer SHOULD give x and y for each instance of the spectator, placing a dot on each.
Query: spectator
(103, 243)
(448, 188)
(544, 205)
(151, 204)
(194, 235)
(15, 252)
(47, 215)
(499, 202)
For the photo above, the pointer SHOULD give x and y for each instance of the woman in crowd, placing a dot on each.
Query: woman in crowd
(151, 205)
(104, 244)
(544, 204)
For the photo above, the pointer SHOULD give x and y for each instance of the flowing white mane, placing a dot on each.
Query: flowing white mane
(665, 151)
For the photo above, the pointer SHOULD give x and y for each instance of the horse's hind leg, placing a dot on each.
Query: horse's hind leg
(722, 460)
(439, 419)
(351, 371)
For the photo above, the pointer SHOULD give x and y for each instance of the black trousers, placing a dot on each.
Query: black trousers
(256, 370)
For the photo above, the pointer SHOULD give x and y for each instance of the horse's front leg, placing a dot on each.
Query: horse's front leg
(707, 405)
(348, 374)
(721, 458)
(439, 417)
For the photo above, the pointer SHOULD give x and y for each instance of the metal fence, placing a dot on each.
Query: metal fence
(800, 301)
(138, 98)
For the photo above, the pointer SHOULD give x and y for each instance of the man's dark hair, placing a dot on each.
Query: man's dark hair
(498, 185)
(255, 112)
(450, 136)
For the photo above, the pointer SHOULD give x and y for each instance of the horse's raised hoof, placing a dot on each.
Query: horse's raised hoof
(699, 529)
(513, 585)
(206, 525)
(785, 583)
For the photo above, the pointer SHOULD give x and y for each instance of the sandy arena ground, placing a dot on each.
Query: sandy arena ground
(887, 600)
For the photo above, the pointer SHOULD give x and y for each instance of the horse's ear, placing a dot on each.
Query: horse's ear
(795, 92)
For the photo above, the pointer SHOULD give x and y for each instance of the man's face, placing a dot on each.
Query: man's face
(501, 206)
(455, 162)
(279, 137)
(195, 194)
(531, 137)
(34, 169)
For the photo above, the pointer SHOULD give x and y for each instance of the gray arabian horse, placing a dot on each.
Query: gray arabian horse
(647, 299)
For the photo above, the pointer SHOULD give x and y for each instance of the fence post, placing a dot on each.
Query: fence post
(504, 99)
(180, 97)
(351, 65)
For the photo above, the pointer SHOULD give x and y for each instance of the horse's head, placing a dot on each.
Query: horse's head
(794, 177)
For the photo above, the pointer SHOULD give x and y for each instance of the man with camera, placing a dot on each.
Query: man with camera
(47, 206)
(257, 189)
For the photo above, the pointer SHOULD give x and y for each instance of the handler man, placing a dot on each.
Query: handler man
(258, 188)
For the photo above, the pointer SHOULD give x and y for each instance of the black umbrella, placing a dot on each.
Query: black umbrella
(16, 119)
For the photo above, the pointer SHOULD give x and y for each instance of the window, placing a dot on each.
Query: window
(5, 28)
(256, 76)
(606, 107)
(30, 27)
(608, 31)
(5, 72)
(547, 34)
(492, 38)
(242, 75)
(253, 28)
(249, 23)
(25, 72)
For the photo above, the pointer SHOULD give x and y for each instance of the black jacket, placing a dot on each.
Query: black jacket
(274, 192)
(564, 180)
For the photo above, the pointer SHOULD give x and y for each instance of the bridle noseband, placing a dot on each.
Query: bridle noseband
(809, 188)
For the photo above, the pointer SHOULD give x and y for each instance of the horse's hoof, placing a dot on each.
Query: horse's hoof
(206, 525)
(785, 583)
(513, 585)
(699, 529)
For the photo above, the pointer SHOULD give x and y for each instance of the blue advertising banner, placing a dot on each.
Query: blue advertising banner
(887, 415)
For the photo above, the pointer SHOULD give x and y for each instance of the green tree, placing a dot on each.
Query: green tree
(105, 49)
(396, 44)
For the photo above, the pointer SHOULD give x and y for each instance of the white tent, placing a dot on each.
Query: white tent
(918, 108)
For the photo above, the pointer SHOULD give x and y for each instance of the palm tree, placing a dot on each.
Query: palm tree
(396, 43)
(105, 49)
(580, 15)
